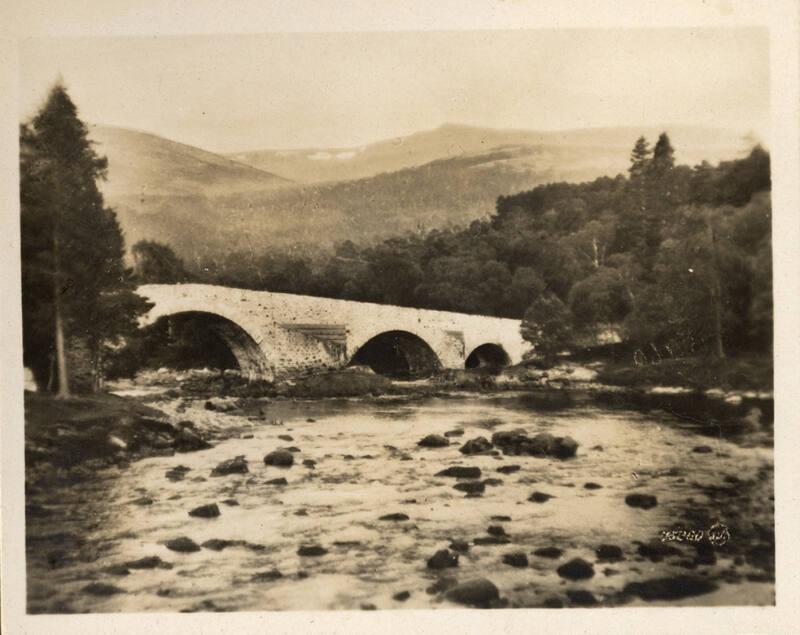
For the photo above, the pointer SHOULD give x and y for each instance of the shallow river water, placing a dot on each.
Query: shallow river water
(368, 465)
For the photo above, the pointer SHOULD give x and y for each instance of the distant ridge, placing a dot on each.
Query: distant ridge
(315, 165)
(207, 205)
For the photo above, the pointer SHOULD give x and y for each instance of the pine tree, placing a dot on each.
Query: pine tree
(74, 281)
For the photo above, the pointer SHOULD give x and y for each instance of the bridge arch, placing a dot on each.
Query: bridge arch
(241, 344)
(399, 354)
(489, 355)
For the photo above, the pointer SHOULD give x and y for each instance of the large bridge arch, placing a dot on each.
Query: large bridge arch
(249, 356)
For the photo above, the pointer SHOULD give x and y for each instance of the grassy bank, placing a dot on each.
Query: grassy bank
(98, 430)
(700, 373)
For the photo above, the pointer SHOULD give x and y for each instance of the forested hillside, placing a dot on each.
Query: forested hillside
(679, 258)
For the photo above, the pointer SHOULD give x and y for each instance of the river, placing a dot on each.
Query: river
(367, 465)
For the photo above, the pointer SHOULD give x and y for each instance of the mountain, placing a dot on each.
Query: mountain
(206, 205)
(601, 150)
(143, 164)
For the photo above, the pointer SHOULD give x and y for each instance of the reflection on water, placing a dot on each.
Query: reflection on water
(367, 465)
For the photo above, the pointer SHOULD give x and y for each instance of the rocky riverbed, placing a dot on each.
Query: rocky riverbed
(335, 504)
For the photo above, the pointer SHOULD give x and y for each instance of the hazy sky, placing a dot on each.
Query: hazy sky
(242, 92)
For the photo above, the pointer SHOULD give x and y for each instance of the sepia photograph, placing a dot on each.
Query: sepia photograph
(383, 320)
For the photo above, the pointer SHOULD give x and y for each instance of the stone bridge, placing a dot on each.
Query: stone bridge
(274, 334)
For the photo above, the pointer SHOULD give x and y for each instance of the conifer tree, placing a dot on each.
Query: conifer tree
(75, 285)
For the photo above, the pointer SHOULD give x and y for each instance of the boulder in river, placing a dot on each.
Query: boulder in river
(286, 437)
(460, 471)
(237, 465)
(548, 552)
(182, 545)
(279, 458)
(516, 559)
(702, 449)
(433, 441)
(508, 469)
(540, 497)
(576, 569)
(470, 487)
(443, 559)
(609, 553)
(480, 593)
(311, 551)
(581, 597)
(478, 445)
(102, 589)
(397, 516)
(564, 447)
(496, 530)
(675, 588)
(186, 440)
(277, 481)
(492, 540)
(401, 596)
(148, 562)
(454, 433)
(591, 485)
(462, 546)
(205, 511)
(656, 551)
(266, 576)
(642, 501)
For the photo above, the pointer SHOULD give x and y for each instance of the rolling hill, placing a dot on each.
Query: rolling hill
(204, 204)
(605, 149)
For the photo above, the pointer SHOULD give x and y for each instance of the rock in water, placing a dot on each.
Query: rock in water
(277, 481)
(462, 546)
(266, 576)
(402, 596)
(516, 559)
(478, 445)
(101, 589)
(480, 593)
(236, 465)
(311, 551)
(576, 569)
(182, 545)
(205, 511)
(458, 471)
(279, 458)
(395, 516)
(642, 501)
(580, 597)
(508, 469)
(540, 497)
(443, 559)
(564, 447)
(609, 553)
(703, 449)
(470, 487)
(591, 485)
(150, 562)
(675, 588)
(188, 441)
(548, 552)
(433, 441)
